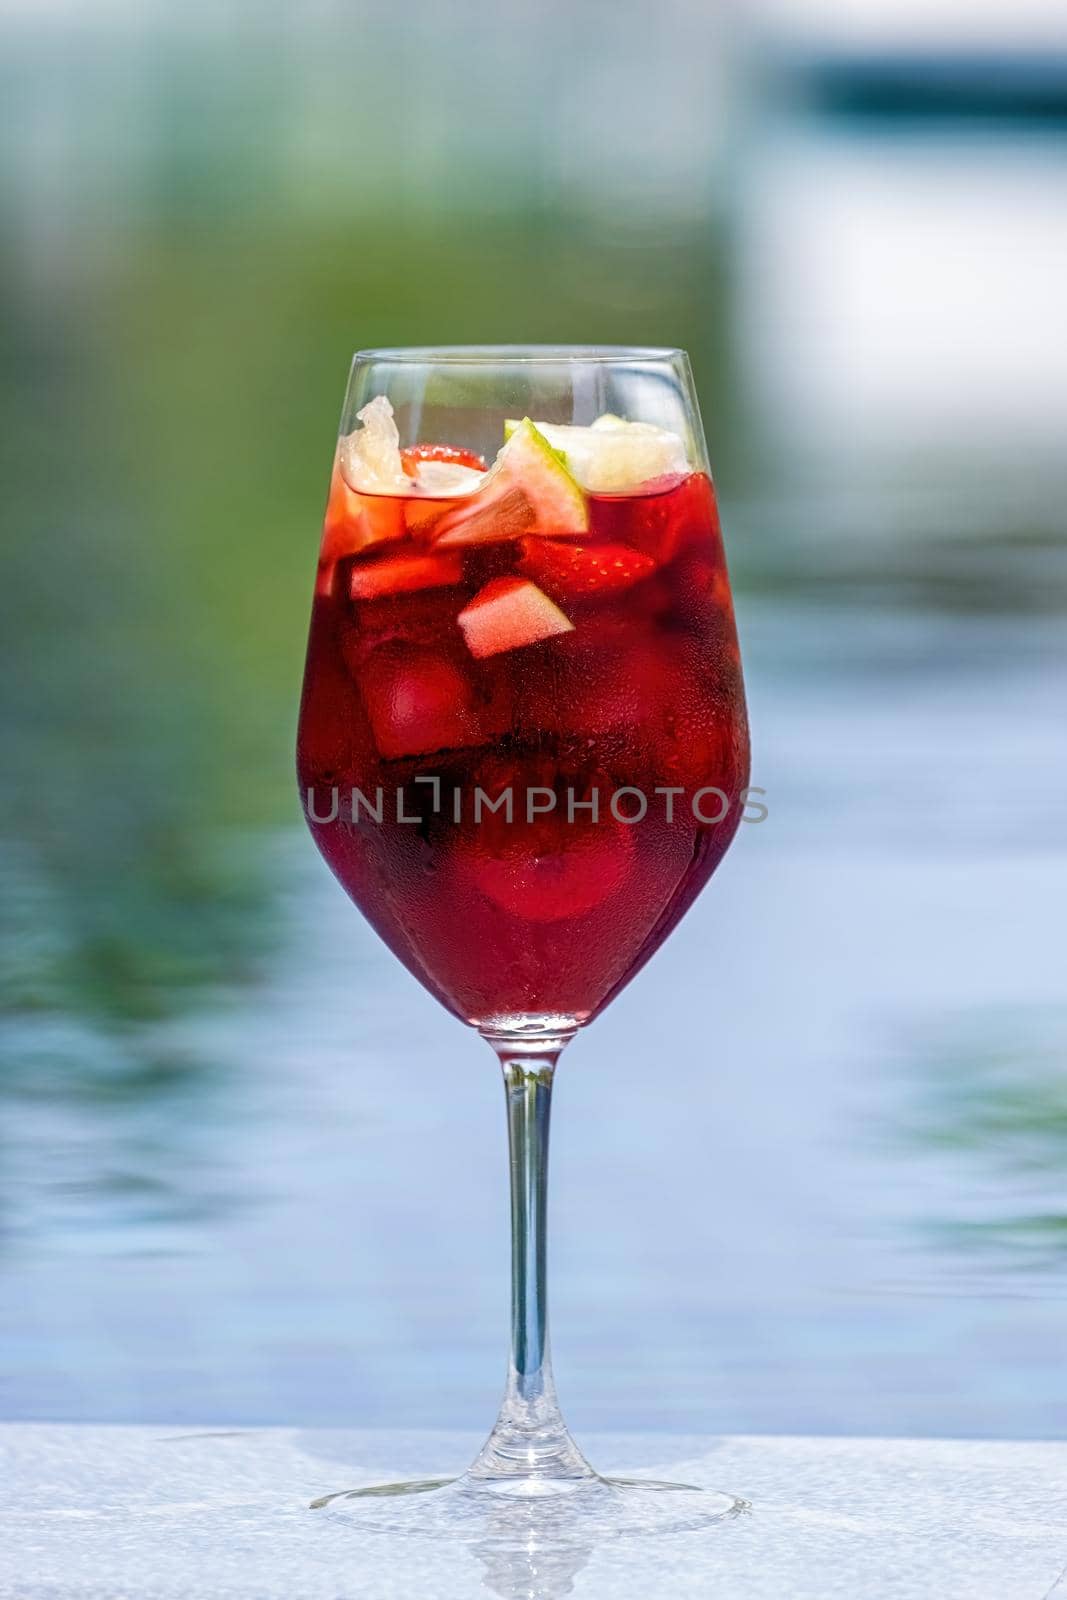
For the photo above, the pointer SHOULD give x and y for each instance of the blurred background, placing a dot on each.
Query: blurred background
(810, 1170)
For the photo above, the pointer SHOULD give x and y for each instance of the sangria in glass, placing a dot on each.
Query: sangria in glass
(523, 751)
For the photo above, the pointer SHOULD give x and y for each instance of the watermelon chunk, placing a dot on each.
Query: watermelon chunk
(404, 574)
(508, 614)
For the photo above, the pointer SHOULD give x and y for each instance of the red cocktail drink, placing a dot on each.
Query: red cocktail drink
(523, 751)
(523, 744)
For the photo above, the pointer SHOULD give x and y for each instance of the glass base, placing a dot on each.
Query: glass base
(534, 1521)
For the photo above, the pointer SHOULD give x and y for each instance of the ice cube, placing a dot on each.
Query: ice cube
(370, 456)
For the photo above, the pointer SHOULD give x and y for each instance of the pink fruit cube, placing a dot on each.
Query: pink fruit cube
(509, 613)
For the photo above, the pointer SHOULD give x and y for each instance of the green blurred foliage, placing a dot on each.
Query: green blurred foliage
(991, 1101)
(230, 354)
(169, 418)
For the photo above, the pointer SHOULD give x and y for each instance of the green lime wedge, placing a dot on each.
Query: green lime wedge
(528, 490)
(613, 456)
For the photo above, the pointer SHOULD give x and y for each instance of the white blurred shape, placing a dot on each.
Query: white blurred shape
(872, 25)
(899, 295)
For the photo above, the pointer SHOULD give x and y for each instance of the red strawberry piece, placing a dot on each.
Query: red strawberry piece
(454, 454)
(576, 570)
(404, 574)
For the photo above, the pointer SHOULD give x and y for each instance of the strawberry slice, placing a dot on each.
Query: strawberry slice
(539, 865)
(455, 455)
(509, 613)
(570, 570)
(405, 574)
(548, 881)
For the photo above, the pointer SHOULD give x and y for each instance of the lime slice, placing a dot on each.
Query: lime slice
(613, 456)
(528, 490)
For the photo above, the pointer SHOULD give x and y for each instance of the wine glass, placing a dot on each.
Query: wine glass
(523, 751)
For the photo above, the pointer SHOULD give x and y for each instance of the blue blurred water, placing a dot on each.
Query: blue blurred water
(808, 1170)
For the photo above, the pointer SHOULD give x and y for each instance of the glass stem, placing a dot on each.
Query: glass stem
(530, 1439)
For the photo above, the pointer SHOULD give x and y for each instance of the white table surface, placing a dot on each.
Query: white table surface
(152, 1513)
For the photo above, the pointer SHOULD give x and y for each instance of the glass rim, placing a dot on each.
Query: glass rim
(522, 354)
